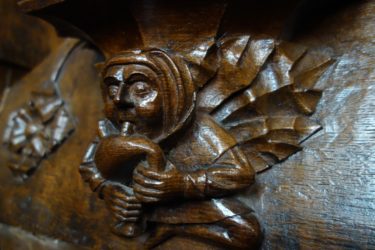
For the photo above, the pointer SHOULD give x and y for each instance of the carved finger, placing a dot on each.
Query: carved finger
(148, 173)
(146, 199)
(147, 191)
(135, 206)
(124, 197)
(119, 188)
(146, 182)
(131, 199)
(131, 219)
(130, 213)
(115, 209)
(121, 218)
(127, 205)
(124, 212)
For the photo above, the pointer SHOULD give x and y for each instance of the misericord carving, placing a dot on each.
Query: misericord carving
(183, 136)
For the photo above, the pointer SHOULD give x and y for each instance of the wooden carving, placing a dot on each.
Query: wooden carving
(35, 130)
(185, 133)
(43, 122)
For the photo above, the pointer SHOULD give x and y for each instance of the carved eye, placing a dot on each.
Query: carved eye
(112, 91)
(140, 89)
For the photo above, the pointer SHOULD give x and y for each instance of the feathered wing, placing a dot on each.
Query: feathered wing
(262, 92)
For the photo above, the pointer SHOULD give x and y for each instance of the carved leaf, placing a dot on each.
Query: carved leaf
(241, 61)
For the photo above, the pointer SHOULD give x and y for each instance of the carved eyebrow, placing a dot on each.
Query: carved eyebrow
(138, 76)
(110, 80)
(113, 75)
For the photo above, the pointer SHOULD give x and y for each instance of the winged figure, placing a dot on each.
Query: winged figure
(185, 132)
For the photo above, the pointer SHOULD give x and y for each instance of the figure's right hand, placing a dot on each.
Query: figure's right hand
(121, 202)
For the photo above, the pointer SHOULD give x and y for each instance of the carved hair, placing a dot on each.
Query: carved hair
(174, 83)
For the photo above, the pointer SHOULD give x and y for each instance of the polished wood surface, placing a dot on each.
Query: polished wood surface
(320, 57)
(25, 41)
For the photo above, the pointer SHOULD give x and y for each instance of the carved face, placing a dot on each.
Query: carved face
(132, 95)
(150, 89)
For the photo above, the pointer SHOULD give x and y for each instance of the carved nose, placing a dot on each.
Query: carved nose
(117, 99)
(122, 97)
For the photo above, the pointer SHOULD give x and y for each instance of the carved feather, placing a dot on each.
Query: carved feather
(262, 92)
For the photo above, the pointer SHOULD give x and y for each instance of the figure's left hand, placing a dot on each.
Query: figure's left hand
(152, 186)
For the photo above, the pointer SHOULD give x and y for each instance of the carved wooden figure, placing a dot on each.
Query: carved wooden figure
(183, 136)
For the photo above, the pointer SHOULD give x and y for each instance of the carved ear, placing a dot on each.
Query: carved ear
(99, 67)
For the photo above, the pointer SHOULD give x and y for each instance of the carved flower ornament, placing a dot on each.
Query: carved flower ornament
(35, 130)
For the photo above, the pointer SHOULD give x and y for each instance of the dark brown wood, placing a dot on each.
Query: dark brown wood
(25, 41)
(200, 101)
(38, 127)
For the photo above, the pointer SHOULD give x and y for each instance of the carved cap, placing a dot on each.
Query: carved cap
(174, 83)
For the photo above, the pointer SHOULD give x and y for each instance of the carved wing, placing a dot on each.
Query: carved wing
(263, 93)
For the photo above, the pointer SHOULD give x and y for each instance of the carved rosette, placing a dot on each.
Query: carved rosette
(35, 130)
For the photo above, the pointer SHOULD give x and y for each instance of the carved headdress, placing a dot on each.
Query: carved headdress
(173, 81)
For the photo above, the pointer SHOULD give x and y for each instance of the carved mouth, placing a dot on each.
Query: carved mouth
(126, 117)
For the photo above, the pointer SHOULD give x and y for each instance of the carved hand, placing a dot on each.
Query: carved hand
(121, 201)
(152, 185)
